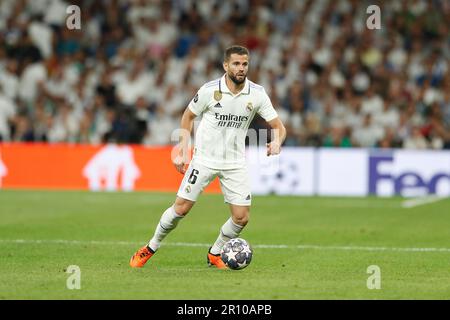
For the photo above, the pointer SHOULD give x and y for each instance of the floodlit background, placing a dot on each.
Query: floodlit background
(131, 69)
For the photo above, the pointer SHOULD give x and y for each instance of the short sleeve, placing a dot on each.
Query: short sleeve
(266, 109)
(199, 103)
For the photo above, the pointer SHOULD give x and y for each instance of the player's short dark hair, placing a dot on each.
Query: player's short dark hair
(240, 50)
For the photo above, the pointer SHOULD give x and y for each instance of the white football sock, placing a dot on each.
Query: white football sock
(167, 223)
(229, 230)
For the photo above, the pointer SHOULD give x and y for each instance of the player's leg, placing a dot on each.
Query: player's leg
(195, 180)
(232, 227)
(169, 220)
(236, 189)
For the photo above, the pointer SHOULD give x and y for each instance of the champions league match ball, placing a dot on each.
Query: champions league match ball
(236, 254)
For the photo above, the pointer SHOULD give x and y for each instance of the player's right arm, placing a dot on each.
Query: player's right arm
(187, 122)
(197, 105)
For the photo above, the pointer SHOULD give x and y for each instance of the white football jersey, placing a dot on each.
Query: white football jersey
(220, 137)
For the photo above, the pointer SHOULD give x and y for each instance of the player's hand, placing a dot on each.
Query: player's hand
(180, 164)
(180, 158)
(273, 148)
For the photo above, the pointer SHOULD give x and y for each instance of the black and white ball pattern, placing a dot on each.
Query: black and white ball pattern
(236, 254)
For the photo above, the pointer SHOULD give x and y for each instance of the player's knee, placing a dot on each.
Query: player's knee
(181, 209)
(182, 206)
(241, 219)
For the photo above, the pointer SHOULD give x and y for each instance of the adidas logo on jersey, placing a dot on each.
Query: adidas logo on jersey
(218, 105)
(248, 197)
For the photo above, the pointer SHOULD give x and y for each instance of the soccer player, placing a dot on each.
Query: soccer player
(227, 106)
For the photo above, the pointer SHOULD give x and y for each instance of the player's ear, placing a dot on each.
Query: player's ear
(225, 66)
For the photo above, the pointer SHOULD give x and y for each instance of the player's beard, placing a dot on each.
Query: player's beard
(235, 79)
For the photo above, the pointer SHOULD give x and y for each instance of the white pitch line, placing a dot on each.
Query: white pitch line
(260, 246)
(411, 203)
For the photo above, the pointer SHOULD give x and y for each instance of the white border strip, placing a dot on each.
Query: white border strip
(412, 203)
(205, 245)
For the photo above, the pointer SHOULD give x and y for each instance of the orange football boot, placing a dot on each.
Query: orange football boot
(139, 259)
(215, 260)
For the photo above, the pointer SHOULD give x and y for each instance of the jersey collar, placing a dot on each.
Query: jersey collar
(224, 89)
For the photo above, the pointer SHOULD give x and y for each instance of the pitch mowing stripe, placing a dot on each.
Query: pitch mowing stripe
(205, 245)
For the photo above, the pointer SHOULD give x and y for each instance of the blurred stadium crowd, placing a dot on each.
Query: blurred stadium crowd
(133, 67)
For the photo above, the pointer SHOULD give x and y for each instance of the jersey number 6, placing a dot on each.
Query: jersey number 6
(193, 177)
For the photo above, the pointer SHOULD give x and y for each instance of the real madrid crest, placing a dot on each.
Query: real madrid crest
(188, 189)
(217, 95)
(249, 107)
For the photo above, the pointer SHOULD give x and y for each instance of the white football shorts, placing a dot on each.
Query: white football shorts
(234, 183)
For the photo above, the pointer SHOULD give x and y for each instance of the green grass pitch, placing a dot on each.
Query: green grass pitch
(304, 248)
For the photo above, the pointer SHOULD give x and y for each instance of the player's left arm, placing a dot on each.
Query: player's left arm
(279, 135)
(268, 113)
